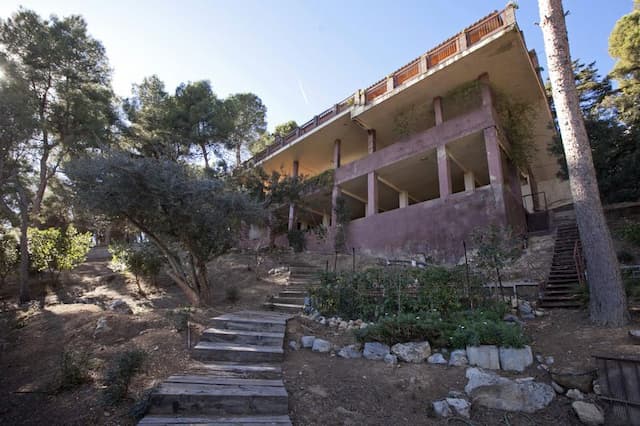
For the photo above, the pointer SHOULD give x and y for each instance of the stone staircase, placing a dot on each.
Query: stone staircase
(291, 299)
(238, 380)
(562, 286)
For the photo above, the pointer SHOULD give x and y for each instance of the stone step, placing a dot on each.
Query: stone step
(288, 300)
(293, 293)
(215, 420)
(217, 351)
(219, 398)
(561, 304)
(559, 298)
(242, 336)
(238, 370)
(256, 323)
(283, 307)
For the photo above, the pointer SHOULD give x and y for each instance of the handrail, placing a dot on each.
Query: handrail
(579, 262)
(532, 195)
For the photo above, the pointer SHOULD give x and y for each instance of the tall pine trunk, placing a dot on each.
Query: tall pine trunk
(608, 304)
(25, 295)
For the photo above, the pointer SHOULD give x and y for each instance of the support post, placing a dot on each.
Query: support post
(292, 206)
(485, 90)
(469, 181)
(326, 220)
(371, 141)
(372, 194)
(403, 199)
(494, 159)
(437, 108)
(336, 192)
(444, 172)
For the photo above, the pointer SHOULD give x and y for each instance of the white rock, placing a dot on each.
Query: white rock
(294, 345)
(101, 327)
(412, 351)
(549, 360)
(458, 358)
(350, 352)
(121, 306)
(513, 359)
(307, 341)
(575, 394)
(589, 414)
(375, 350)
(485, 356)
(462, 407)
(390, 359)
(320, 345)
(556, 387)
(441, 408)
(436, 358)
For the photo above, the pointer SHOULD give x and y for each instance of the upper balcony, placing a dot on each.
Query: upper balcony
(403, 77)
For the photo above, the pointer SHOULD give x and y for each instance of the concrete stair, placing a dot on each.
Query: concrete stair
(561, 289)
(301, 278)
(237, 380)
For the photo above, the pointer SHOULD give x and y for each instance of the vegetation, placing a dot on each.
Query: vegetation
(142, 259)
(268, 138)
(119, 374)
(74, 370)
(55, 250)
(8, 256)
(631, 232)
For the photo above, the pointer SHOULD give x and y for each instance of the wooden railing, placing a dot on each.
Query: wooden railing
(470, 36)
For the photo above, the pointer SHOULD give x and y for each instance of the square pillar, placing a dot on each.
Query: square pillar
(326, 220)
(494, 158)
(469, 181)
(292, 206)
(485, 91)
(403, 199)
(371, 141)
(336, 153)
(372, 194)
(336, 192)
(444, 172)
(437, 108)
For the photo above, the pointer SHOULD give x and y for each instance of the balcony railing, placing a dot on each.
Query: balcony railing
(467, 38)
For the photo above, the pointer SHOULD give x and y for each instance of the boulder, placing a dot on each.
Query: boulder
(574, 378)
(120, 306)
(575, 394)
(350, 352)
(513, 359)
(320, 345)
(484, 356)
(390, 359)
(101, 327)
(307, 341)
(458, 358)
(441, 408)
(375, 350)
(436, 358)
(462, 407)
(412, 351)
(294, 345)
(493, 391)
(588, 413)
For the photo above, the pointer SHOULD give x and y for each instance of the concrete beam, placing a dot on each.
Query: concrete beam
(395, 188)
(494, 160)
(372, 194)
(464, 169)
(417, 144)
(437, 108)
(354, 196)
(444, 172)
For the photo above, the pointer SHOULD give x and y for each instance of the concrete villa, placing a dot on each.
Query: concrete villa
(425, 155)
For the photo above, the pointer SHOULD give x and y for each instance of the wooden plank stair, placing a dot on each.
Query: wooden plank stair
(562, 286)
(291, 299)
(236, 380)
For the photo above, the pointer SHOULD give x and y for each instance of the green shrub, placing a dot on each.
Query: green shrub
(487, 332)
(119, 374)
(179, 318)
(8, 256)
(406, 328)
(141, 259)
(55, 250)
(74, 370)
(631, 232)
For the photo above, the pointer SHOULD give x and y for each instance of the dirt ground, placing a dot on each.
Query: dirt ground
(323, 389)
(33, 339)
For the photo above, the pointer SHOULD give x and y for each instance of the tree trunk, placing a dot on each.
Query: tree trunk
(25, 295)
(238, 158)
(608, 304)
(205, 155)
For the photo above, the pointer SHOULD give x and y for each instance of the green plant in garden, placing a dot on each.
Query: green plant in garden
(119, 374)
(8, 256)
(141, 259)
(55, 250)
(631, 232)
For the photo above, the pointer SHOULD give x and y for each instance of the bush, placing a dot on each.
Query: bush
(487, 332)
(179, 318)
(141, 259)
(8, 256)
(74, 370)
(631, 232)
(119, 374)
(407, 328)
(625, 257)
(232, 294)
(55, 250)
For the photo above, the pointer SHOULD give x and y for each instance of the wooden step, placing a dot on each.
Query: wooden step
(242, 336)
(250, 323)
(288, 300)
(221, 399)
(217, 351)
(554, 304)
(293, 293)
(283, 307)
(216, 420)
(238, 370)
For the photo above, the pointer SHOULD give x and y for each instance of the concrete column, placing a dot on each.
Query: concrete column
(403, 199)
(326, 220)
(336, 153)
(494, 159)
(485, 90)
(336, 192)
(437, 108)
(462, 41)
(391, 83)
(292, 206)
(372, 194)
(444, 172)
(371, 141)
(469, 181)
(423, 64)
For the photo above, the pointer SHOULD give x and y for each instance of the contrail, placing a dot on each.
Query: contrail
(304, 94)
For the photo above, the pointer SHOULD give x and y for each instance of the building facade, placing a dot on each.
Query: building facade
(455, 140)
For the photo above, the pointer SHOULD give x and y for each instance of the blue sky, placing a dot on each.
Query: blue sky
(300, 56)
